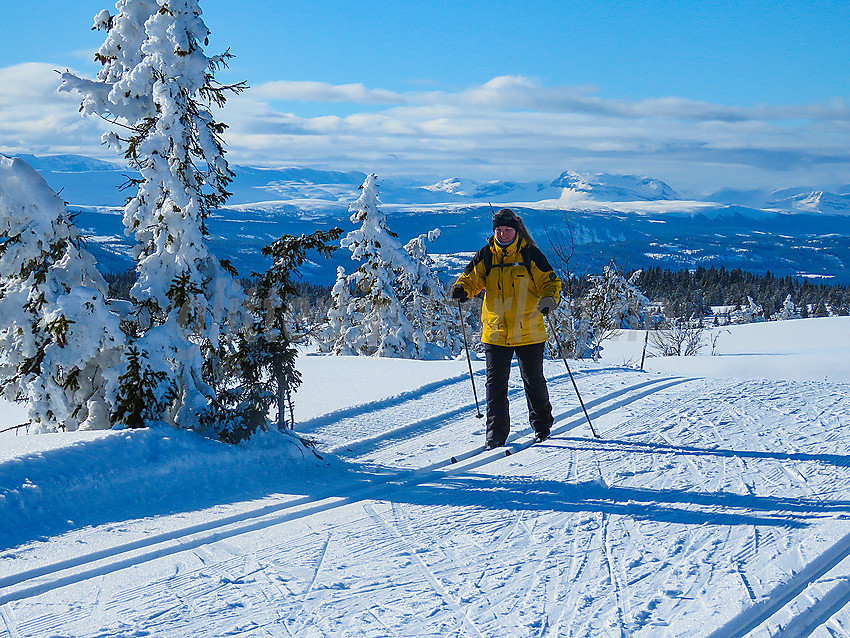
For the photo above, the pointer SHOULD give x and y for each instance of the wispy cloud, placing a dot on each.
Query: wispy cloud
(35, 118)
(520, 93)
(322, 92)
(508, 128)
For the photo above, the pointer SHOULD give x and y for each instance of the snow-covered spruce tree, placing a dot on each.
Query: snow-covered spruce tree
(423, 297)
(612, 304)
(158, 85)
(575, 335)
(343, 319)
(262, 367)
(751, 313)
(789, 310)
(59, 339)
(372, 320)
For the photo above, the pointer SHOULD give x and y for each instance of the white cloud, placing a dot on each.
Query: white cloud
(321, 92)
(509, 128)
(36, 118)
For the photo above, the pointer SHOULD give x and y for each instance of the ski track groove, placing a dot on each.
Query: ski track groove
(614, 575)
(820, 611)
(751, 617)
(9, 630)
(602, 600)
(574, 572)
(538, 571)
(461, 616)
(303, 598)
(792, 477)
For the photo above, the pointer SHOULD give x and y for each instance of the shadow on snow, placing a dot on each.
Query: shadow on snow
(91, 496)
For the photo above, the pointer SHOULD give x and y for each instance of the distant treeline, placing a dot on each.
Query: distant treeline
(686, 293)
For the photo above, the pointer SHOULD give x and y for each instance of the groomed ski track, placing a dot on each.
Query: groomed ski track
(51, 576)
(570, 537)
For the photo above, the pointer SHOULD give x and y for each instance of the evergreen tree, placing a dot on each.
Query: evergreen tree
(789, 310)
(423, 297)
(367, 317)
(575, 335)
(612, 304)
(141, 407)
(729, 288)
(157, 83)
(262, 367)
(60, 341)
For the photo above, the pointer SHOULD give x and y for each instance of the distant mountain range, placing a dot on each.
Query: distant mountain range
(72, 175)
(635, 221)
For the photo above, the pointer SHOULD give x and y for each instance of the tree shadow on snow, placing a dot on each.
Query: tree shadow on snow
(87, 485)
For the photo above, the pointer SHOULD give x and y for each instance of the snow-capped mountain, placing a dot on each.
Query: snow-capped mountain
(454, 186)
(634, 220)
(68, 163)
(614, 188)
(495, 190)
(817, 202)
(85, 181)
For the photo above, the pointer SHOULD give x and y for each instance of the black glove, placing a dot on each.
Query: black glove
(546, 305)
(459, 293)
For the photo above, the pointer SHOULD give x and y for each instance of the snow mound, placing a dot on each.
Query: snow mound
(50, 484)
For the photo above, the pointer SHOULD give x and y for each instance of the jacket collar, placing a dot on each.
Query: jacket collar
(508, 253)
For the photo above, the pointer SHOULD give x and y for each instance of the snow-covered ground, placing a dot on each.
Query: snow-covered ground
(714, 503)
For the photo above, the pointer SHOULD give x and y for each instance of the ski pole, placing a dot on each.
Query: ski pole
(564, 358)
(468, 360)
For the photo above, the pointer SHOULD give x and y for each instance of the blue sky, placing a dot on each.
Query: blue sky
(701, 94)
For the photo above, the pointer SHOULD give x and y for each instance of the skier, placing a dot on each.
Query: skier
(519, 288)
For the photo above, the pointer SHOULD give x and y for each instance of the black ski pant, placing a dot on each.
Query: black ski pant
(536, 393)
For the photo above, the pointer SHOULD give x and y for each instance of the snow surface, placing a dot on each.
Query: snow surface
(714, 503)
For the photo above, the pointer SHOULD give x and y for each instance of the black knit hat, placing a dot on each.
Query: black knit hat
(506, 217)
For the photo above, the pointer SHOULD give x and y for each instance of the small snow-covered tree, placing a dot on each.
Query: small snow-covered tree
(752, 312)
(367, 317)
(575, 336)
(157, 83)
(59, 340)
(612, 304)
(340, 333)
(789, 310)
(423, 297)
(262, 367)
(679, 337)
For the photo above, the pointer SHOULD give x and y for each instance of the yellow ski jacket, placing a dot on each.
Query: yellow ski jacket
(514, 279)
